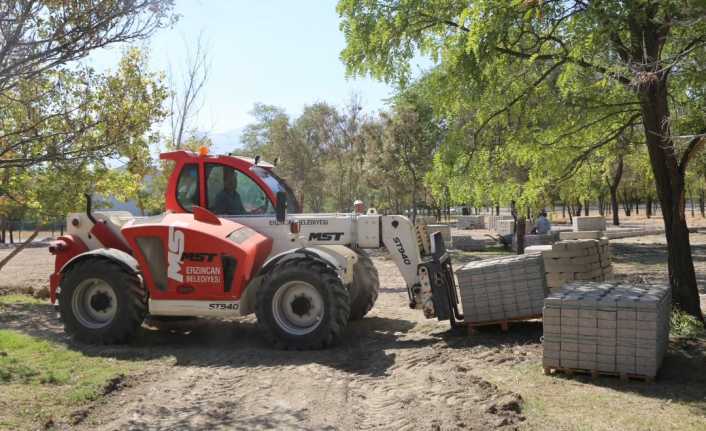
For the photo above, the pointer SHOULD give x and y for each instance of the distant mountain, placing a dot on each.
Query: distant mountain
(226, 142)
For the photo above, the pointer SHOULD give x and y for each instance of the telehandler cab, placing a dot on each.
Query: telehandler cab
(303, 275)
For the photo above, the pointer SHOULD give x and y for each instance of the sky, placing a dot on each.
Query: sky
(284, 53)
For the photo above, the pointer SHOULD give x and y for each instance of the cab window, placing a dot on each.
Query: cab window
(230, 192)
(188, 187)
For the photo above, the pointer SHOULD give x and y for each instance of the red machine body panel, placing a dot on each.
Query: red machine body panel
(184, 258)
(64, 248)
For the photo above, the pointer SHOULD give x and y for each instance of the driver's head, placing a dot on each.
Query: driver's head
(228, 180)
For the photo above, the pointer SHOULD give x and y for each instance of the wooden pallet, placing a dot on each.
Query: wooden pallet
(504, 323)
(595, 374)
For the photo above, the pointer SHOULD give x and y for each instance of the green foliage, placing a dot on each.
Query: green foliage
(684, 325)
(119, 111)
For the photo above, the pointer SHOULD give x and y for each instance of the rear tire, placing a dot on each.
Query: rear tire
(302, 305)
(365, 286)
(101, 303)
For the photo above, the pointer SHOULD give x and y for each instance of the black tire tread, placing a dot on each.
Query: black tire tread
(124, 329)
(365, 286)
(340, 305)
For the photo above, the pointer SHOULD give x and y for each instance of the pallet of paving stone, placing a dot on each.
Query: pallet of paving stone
(504, 324)
(607, 327)
(502, 288)
(595, 374)
(534, 240)
(467, 243)
(589, 234)
(589, 223)
(573, 260)
(470, 222)
(505, 227)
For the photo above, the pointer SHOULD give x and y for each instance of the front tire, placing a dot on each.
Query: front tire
(100, 302)
(365, 286)
(302, 305)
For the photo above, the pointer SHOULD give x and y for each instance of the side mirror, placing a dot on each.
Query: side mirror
(281, 208)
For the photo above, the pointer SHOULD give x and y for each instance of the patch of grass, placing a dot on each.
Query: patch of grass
(43, 380)
(20, 299)
(559, 403)
(684, 325)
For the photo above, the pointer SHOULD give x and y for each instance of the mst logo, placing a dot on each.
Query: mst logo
(400, 248)
(325, 236)
(176, 249)
(198, 257)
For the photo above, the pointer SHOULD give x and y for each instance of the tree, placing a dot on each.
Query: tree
(125, 105)
(647, 52)
(411, 136)
(51, 102)
(187, 93)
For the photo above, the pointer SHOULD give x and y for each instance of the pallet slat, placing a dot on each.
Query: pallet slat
(595, 374)
(504, 323)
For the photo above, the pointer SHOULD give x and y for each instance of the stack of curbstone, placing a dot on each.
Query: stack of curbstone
(504, 288)
(534, 240)
(443, 228)
(566, 261)
(505, 227)
(467, 243)
(491, 221)
(589, 223)
(590, 234)
(608, 328)
(470, 222)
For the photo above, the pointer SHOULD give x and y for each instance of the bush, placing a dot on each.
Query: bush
(684, 325)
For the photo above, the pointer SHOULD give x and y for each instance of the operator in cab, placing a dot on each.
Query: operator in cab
(228, 200)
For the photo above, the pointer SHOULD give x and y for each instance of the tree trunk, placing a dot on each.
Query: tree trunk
(601, 204)
(586, 207)
(520, 235)
(497, 209)
(19, 248)
(702, 204)
(669, 179)
(648, 207)
(691, 201)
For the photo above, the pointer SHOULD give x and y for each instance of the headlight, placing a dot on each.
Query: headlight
(241, 235)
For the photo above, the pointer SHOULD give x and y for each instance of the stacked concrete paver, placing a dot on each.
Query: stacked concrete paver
(533, 240)
(589, 223)
(503, 288)
(566, 261)
(470, 222)
(589, 234)
(491, 221)
(505, 227)
(606, 327)
(467, 243)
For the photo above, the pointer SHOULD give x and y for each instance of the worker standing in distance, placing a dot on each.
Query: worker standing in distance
(358, 207)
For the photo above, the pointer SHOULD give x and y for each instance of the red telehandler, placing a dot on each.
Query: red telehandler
(232, 243)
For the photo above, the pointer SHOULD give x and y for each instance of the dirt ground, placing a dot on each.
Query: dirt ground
(393, 370)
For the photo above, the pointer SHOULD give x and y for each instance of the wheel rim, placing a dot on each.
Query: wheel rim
(298, 307)
(94, 303)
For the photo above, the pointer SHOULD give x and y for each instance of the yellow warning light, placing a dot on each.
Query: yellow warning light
(203, 151)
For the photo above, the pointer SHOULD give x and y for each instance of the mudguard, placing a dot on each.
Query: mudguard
(123, 259)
